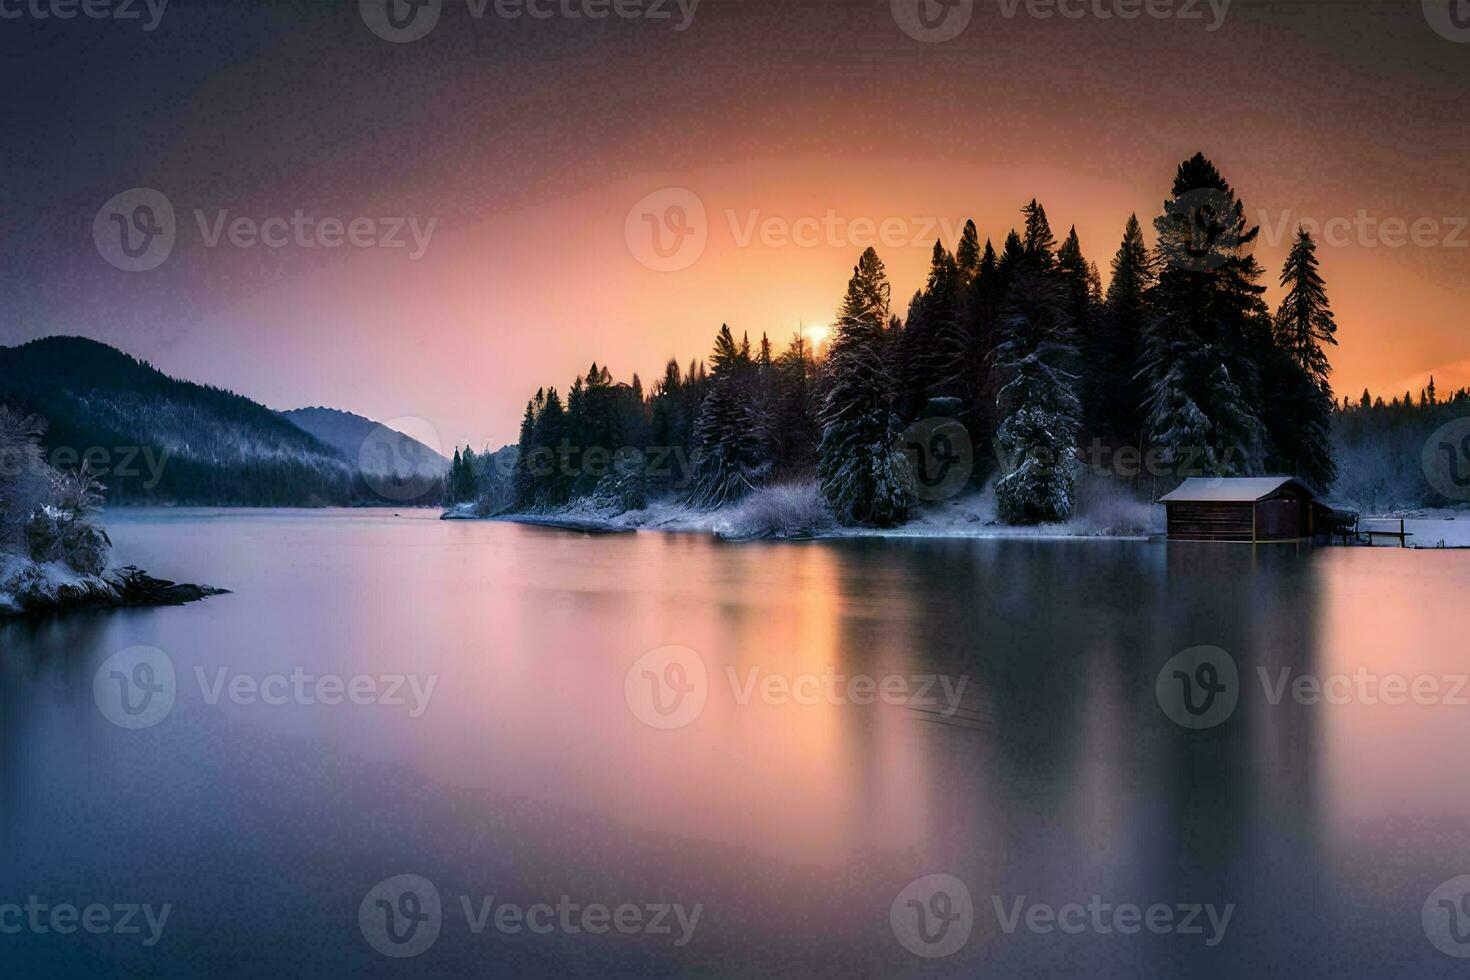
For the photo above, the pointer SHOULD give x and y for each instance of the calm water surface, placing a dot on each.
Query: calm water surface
(528, 775)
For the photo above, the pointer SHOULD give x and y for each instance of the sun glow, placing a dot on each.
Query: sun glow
(817, 334)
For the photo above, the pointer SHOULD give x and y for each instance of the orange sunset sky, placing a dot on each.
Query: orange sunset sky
(528, 144)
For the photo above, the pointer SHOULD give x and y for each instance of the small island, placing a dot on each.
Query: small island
(53, 555)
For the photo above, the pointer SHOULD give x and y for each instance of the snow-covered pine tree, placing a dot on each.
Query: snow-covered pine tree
(863, 471)
(1201, 373)
(731, 456)
(1041, 412)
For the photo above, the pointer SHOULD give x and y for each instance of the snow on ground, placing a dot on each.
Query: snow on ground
(21, 576)
(796, 512)
(1429, 528)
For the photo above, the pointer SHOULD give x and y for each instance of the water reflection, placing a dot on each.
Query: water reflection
(1054, 775)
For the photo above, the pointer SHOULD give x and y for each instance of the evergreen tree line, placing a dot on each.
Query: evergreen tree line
(1180, 362)
(1388, 448)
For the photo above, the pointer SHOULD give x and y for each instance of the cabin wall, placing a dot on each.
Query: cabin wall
(1193, 521)
(1281, 519)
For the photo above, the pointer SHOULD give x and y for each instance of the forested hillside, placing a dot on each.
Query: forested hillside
(154, 439)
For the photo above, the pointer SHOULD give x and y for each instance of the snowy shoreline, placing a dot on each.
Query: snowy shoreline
(971, 517)
(28, 587)
(963, 518)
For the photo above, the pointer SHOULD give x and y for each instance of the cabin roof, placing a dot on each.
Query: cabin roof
(1220, 489)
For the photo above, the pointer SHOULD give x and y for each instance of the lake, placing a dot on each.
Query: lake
(410, 747)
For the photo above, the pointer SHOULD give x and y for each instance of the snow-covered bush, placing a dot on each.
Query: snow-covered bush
(1105, 506)
(789, 510)
(25, 480)
(44, 514)
(622, 489)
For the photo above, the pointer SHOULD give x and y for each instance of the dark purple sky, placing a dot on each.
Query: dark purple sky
(524, 148)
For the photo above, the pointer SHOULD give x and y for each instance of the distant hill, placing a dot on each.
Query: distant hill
(160, 440)
(388, 458)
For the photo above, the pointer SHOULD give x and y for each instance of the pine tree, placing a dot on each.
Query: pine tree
(522, 482)
(1118, 397)
(1077, 278)
(967, 255)
(1038, 436)
(863, 472)
(933, 347)
(469, 479)
(553, 472)
(983, 310)
(731, 457)
(1296, 379)
(455, 483)
(1304, 322)
(1202, 349)
(794, 419)
(1039, 243)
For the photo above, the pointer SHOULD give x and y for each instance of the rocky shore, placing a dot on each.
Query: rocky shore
(27, 588)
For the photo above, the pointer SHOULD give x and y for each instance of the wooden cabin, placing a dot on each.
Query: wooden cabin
(1265, 508)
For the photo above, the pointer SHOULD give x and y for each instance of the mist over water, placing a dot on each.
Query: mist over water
(514, 756)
